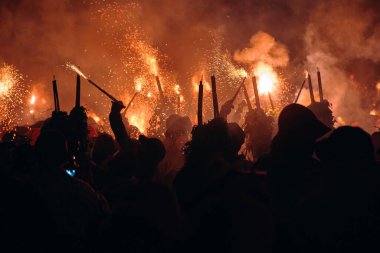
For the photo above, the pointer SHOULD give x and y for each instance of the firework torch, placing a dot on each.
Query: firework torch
(258, 106)
(320, 86)
(74, 68)
(77, 95)
(55, 94)
(159, 87)
(130, 103)
(200, 103)
(238, 90)
(299, 93)
(311, 89)
(214, 97)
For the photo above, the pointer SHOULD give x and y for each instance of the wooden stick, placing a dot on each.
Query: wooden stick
(238, 90)
(103, 91)
(312, 99)
(270, 100)
(320, 86)
(254, 83)
(55, 94)
(200, 103)
(299, 92)
(247, 98)
(214, 97)
(77, 95)
(159, 87)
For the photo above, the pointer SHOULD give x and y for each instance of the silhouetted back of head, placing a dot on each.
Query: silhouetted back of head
(298, 129)
(104, 147)
(346, 145)
(177, 125)
(51, 148)
(152, 150)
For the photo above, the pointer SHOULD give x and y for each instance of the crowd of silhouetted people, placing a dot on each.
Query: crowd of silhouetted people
(316, 189)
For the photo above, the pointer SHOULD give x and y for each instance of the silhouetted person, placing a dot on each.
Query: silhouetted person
(292, 170)
(344, 214)
(75, 206)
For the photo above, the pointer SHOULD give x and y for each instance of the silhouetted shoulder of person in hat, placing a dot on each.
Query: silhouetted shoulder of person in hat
(344, 215)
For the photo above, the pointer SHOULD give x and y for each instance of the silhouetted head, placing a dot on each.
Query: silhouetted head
(51, 149)
(104, 148)
(177, 126)
(298, 129)
(152, 150)
(346, 145)
(209, 139)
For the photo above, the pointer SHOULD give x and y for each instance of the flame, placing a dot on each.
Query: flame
(32, 100)
(76, 69)
(95, 117)
(378, 86)
(8, 78)
(139, 83)
(152, 63)
(373, 112)
(241, 73)
(138, 121)
(31, 111)
(267, 77)
(306, 73)
(177, 89)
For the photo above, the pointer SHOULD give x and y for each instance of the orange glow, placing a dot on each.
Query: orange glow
(181, 98)
(378, 86)
(267, 78)
(31, 111)
(373, 112)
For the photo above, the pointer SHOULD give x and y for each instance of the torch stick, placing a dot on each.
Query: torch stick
(55, 94)
(270, 100)
(159, 87)
(130, 102)
(77, 95)
(247, 98)
(311, 89)
(299, 93)
(103, 91)
(238, 90)
(200, 103)
(214, 97)
(77, 70)
(179, 104)
(258, 106)
(320, 86)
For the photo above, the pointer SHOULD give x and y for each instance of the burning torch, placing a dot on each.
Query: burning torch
(258, 106)
(74, 68)
(214, 97)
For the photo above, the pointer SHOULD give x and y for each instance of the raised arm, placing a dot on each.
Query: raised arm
(117, 125)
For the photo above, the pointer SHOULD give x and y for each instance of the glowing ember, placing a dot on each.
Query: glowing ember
(267, 78)
(76, 69)
(378, 86)
(181, 98)
(32, 100)
(149, 95)
(31, 111)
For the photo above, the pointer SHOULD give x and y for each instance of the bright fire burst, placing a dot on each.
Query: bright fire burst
(267, 78)
(12, 93)
(33, 100)
(177, 89)
(152, 63)
(76, 69)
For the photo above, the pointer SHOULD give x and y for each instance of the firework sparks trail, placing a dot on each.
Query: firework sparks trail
(12, 93)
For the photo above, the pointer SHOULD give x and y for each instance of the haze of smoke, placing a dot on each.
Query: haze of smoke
(263, 47)
(338, 35)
